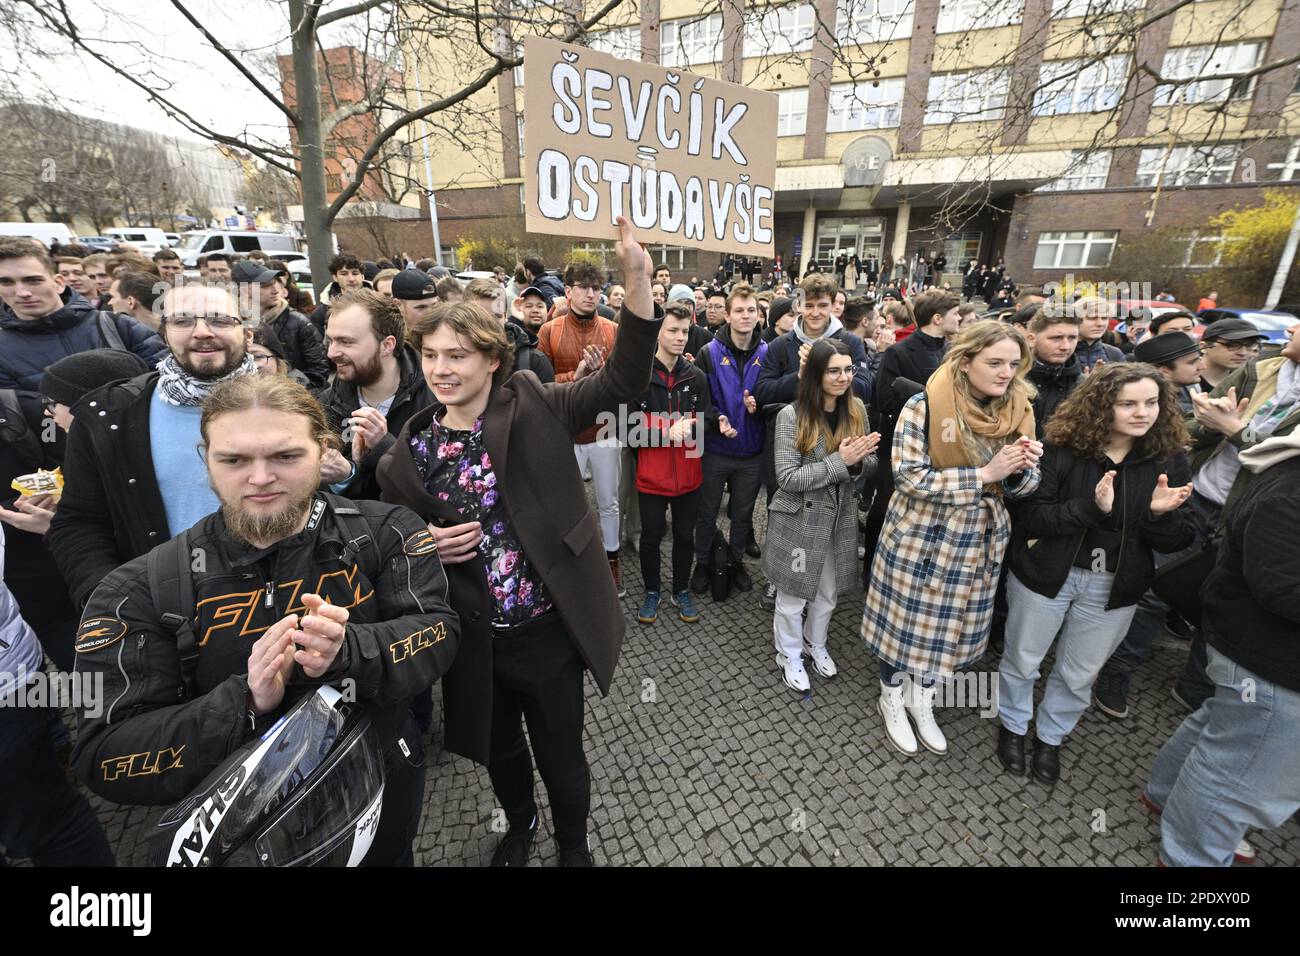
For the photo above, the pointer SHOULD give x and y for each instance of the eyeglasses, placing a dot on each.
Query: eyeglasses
(267, 359)
(218, 323)
(846, 372)
(1246, 346)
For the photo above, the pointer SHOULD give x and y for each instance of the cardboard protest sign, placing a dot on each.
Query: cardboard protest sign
(688, 160)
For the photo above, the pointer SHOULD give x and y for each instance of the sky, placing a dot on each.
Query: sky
(151, 35)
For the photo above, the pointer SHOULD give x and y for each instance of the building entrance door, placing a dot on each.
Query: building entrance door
(860, 236)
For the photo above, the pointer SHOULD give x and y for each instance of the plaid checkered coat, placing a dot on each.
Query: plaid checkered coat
(935, 573)
(814, 514)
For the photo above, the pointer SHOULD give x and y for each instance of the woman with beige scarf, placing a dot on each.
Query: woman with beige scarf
(959, 447)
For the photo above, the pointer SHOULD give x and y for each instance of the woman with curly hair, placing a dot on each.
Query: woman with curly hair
(1113, 477)
(959, 448)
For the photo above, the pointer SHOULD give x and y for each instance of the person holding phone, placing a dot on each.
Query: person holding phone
(960, 447)
(821, 449)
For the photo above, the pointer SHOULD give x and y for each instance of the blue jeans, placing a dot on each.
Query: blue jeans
(1231, 765)
(43, 817)
(1089, 633)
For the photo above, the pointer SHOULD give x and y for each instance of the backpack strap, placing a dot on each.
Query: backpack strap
(109, 333)
(356, 535)
(171, 586)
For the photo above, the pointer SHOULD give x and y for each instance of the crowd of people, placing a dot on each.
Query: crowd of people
(387, 487)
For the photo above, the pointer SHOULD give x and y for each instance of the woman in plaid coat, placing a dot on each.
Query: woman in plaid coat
(812, 521)
(958, 448)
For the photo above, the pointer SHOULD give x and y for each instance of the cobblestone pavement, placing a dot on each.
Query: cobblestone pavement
(700, 755)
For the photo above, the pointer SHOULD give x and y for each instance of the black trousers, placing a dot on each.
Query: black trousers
(745, 477)
(537, 677)
(654, 525)
(399, 816)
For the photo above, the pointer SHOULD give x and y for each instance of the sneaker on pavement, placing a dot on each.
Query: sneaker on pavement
(768, 602)
(685, 605)
(649, 608)
(821, 660)
(740, 579)
(1110, 695)
(702, 579)
(792, 672)
(515, 846)
(578, 857)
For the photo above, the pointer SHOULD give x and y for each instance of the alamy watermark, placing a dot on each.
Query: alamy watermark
(83, 692)
(635, 428)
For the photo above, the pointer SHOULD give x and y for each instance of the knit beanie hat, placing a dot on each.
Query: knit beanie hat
(69, 379)
(777, 309)
(682, 293)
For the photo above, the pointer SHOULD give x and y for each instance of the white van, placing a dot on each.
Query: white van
(147, 240)
(46, 232)
(201, 242)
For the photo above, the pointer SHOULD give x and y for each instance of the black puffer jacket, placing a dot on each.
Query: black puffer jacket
(528, 357)
(1050, 526)
(303, 345)
(340, 400)
(28, 348)
(1054, 384)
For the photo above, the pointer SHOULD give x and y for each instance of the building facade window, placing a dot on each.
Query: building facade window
(779, 31)
(1213, 73)
(1061, 9)
(688, 42)
(872, 21)
(961, 248)
(1287, 166)
(519, 70)
(1069, 250)
(967, 97)
(519, 128)
(622, 42)
(1186, 165)
(1204, 250)
(964, 16)
(677, 258)
(333, 183)
(1086, 171)
(792, 112)
(876, 105)
(1070, 86)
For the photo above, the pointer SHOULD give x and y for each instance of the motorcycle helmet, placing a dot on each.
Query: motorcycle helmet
(307, 793)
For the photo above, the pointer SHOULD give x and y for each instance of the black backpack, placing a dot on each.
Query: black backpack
(15, 430)
(171, 581)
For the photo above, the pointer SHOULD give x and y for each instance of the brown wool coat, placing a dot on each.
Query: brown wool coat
(529, 430)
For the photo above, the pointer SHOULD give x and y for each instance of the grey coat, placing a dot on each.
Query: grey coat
(814, 513)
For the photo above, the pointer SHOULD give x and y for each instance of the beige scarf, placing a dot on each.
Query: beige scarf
(947, 405)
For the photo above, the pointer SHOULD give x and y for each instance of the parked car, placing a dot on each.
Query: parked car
(203, 241)
(145, 239)
(46, 232)
(97, 243)
(1271, 324)
(173, 238)
(1128, 307)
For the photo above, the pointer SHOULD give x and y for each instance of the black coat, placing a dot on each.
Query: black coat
(303, 346)
(1251, 612)
(915, 358)
(1050, 526)
(527, 355)
(1054, 384)
(340, 400)
(779, 377)
(111, 510)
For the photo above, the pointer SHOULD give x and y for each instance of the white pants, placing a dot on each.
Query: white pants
(790, 627)
(604, 463)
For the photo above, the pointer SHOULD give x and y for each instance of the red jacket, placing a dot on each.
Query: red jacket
(664, 467)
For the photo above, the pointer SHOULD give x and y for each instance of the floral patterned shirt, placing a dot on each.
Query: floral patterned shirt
(456, 469)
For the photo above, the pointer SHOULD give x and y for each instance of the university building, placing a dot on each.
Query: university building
(1021, 129)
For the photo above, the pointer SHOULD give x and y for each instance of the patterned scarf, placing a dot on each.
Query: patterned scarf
(177, 387)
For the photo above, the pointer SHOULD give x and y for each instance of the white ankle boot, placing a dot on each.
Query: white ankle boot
(897, 729)
(920, 704)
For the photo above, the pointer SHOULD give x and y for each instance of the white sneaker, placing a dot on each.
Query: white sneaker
(897, 728)
(821, 660)
(920, 705)
(1245, 853)
(792, 672)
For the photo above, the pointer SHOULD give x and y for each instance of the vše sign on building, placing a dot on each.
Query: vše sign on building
(688, 160)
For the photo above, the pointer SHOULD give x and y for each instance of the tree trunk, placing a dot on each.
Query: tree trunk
(320, 244)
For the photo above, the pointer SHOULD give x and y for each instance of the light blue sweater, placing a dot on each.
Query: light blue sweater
(182, 476)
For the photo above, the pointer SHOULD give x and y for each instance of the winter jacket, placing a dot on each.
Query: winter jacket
(779, 377)
(1090, 353)
(730, 373)
(915, 358)
(551, 287)
(1050, 526)
(664, 467)
(320, 315)
(28, 348)
(528, 357)
(1251, 613)
(1054, 384)
(401, 636)
(340, 400)
(303, 346)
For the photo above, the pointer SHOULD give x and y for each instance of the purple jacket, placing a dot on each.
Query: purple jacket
(720, 361)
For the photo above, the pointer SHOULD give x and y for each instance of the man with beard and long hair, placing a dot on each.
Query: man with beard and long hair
(132, 473)
(377, 387)
(347, 594)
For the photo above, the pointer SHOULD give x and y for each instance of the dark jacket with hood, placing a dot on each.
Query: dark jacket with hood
(1054, 384)
(1050, 526)
(321, 314)
(779, 378)
(28, 348)
(664, 468)
(340, 400)
(528, 357)
(304, 348)
(528, 430)
(1090, 353)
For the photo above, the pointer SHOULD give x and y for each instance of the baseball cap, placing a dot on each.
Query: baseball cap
(533, 290)
(1231, 330)
(247, 270)
(412, 284)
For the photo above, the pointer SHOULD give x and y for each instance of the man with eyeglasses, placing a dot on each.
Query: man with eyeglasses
(1227, 344)
(133, 477)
